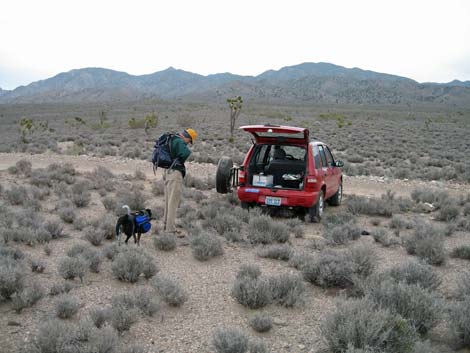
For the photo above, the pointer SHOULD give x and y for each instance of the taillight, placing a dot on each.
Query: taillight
(241, 177)
(310, 182)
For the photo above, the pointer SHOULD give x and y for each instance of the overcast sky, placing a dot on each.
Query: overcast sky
(424, 40)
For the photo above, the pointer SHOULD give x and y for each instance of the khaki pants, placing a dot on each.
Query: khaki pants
(173, 184)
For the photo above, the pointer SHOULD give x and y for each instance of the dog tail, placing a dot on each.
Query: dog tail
(128, 209)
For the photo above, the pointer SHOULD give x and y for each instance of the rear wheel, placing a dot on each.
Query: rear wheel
(245, 205)
(338, 197)
(223, 175)
(315, 212)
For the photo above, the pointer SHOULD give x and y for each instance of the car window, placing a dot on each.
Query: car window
(259, 156)
(316, 157)
(329, 156)
(291, 152)
(322, 155)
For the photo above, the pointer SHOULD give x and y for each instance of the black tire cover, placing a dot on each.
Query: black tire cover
(223, 174)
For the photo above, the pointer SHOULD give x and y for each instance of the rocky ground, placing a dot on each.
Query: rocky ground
(208, 284)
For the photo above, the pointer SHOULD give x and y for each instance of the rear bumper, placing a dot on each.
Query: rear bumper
(289, 198)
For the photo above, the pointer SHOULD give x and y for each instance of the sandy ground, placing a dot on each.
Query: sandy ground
(208, 284)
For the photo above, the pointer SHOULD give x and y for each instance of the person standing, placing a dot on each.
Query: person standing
(173, 177)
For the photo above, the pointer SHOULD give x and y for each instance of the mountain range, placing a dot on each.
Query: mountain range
(307, 83)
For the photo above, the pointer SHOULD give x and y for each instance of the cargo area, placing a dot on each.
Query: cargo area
(277, 166)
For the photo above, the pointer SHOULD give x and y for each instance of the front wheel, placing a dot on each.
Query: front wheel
(316, 211)
(338, 197)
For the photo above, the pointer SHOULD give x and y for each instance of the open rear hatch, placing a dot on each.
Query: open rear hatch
(276, 134)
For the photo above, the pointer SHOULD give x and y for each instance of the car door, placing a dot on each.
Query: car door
(328, 173)
(335, 171)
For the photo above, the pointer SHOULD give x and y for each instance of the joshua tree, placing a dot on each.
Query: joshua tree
(235, 105)
(103, 118)
(26, 126)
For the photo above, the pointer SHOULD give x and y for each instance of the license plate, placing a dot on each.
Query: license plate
(273, 201)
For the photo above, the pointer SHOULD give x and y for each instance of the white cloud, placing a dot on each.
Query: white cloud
(424, 40)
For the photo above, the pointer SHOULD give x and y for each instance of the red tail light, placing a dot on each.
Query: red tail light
(310, 183)
(241, 177)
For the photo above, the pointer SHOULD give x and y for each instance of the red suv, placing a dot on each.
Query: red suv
(283, 168)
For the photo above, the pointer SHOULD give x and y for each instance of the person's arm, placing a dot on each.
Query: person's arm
(180, 150)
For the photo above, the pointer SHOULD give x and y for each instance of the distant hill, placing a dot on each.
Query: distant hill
(304, 83)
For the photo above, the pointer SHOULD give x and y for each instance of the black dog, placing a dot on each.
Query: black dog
(130, 225)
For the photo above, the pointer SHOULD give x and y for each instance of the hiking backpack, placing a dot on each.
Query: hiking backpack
(161, 156)
(142, 222)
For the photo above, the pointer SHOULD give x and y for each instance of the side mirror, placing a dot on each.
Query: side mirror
(339, 164)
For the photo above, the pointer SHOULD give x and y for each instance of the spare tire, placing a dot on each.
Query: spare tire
(223, 175)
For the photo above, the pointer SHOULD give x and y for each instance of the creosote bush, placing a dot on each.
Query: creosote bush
(427, 243)
(342, 233)
(27, 297)
(230, 340)
(286, 289)
(70, 268)
(205, 246)
(252, 292)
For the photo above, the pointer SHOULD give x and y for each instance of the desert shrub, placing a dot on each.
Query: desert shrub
(461, 252)
(60, 288)
(17, 195)
(448, 213)
(460, 320)
(129, 264)
(371, 207)
(416, 273)
(99, 316)
(47, 250)
(67, 214)
(249, 271)
(330, 269)
(146, 301)
(261, 323)
(230, 340)
(463, 285)
(70, 268)
(24, 167)
(164, 242)
(94, 235)
(234, 237)
(38, 265)
(466, 209)
(427, 195)
(110, 203)
(205, 246)
(110, 251)
(12, 276)
(286, 289)
(133, 348)
(171, 291)
(66, 306)
(55, 229)
(39, 193)
(158, 187)
(298, 260)
(276, 251)
(340, 218)
(257, 346)
(419, 306)
(264, 230)
(363, 325)
(90, 256)
(81, 195)
(252, 292)
(123, 313)
(399, 222)
(223, 223)
(364, 259)
(342, 234)
(133, 197)
(427, 243)
(382, 236)
(27, 297)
